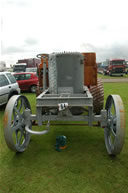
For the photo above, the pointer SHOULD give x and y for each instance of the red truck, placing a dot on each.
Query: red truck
(115, 67)
(26, 65)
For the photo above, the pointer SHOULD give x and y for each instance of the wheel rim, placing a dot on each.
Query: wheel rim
(115, 130)
(15, 134)
(33, 89)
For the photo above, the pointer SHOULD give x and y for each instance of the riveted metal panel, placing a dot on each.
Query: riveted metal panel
(66, 71)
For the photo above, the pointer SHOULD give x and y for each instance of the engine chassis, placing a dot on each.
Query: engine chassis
(46, 100)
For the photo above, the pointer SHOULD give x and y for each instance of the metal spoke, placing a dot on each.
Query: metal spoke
(15, 128)
(23, 108)
(21, 104)
(16, 137)
(14, 115)
(111, 106)
(114, 119)
(19, 140)
(113, 132)
(17, 111)
(109, 111)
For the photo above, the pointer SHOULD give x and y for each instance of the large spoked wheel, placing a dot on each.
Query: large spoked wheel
(15, 134)
(115, 131)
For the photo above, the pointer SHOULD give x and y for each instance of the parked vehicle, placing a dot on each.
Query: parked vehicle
(34, 70)
(104, 66)
(23, 64)
(115, 67)
(8, 87)
(19, 67)
(126, 69)
(27, 81)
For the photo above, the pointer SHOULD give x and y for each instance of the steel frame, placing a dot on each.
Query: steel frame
(74, 100)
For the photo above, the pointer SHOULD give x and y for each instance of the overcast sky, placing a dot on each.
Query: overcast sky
(29, 27)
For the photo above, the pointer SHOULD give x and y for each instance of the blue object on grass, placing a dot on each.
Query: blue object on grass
(60, 143)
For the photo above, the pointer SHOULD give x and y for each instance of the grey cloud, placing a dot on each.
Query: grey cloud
(12, 50)
(31, 41)
(27, 46)
(19, 49)
(115, 50)
(88, 47)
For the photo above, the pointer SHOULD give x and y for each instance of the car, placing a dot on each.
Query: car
(27, 81)
(8, 87)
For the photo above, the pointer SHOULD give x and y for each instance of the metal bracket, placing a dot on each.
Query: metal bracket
(103, 122)
(27, 115)
(38, 132)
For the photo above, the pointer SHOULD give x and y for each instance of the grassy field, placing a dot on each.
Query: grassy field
(84, 167)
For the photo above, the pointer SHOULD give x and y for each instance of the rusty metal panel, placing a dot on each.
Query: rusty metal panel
(90, 75)
(90, 69)
(89, 59)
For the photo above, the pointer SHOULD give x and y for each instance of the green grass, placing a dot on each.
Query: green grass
(84, 167)
(112, 77)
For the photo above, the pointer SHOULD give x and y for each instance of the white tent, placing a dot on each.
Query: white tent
(2, 66)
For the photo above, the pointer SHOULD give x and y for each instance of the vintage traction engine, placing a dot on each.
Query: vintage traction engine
(68, 91)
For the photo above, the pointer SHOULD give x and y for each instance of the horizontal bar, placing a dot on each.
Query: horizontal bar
(66, 124)
(95, 118)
